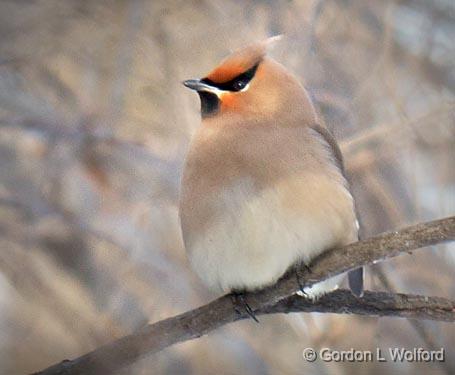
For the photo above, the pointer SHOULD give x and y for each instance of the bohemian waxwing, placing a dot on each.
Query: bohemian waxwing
(263, 187)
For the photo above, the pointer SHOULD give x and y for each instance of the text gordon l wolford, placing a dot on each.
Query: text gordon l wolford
(379, 355)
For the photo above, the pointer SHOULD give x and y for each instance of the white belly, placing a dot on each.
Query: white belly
(256, 238)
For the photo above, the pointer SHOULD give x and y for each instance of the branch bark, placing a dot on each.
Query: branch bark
(281, 298)
(371, 304)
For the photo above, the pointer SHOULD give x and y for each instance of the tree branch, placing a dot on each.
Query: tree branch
(280, 298)
(372, 304)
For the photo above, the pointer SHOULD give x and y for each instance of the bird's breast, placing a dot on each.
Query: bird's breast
(249, 210)
(252, 237)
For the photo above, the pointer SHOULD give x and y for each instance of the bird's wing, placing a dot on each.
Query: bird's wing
(330, 140)
(355, 277)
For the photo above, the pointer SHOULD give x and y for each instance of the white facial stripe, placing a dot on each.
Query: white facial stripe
(219, 93)
(214, 90)
(246, 87)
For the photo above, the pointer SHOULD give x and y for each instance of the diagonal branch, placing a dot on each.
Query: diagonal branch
(280, 298)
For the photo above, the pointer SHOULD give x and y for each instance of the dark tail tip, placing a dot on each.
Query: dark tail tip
(355, 278)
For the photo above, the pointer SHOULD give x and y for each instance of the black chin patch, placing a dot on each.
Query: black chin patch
(210, 103)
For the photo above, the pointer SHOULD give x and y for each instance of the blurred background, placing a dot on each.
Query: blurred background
(94, 127)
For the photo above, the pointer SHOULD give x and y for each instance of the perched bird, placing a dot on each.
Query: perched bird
(263, 187)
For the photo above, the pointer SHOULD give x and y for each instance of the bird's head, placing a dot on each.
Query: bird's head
(252, 85)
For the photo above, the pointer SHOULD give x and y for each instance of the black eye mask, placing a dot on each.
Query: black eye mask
(236, 84)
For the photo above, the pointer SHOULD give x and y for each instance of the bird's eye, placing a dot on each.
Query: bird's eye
(239, 84)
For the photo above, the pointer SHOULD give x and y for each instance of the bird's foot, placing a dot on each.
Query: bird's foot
(299, 278)
(241, 305)
(308, 268)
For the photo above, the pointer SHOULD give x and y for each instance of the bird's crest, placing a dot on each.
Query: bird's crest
(241, 61)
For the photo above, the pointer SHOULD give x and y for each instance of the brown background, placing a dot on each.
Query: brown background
(94, 125)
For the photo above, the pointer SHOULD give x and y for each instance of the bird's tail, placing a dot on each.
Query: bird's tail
(355, 278)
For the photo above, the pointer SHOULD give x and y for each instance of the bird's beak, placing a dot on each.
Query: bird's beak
(196, 84)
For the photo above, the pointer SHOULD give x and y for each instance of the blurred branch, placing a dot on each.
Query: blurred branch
(436, 73)
(125, 61)
(280, 298)
(394, 131)
(418, 325)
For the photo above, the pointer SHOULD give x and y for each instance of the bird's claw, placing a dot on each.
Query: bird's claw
(239, 303)
(299, 278)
